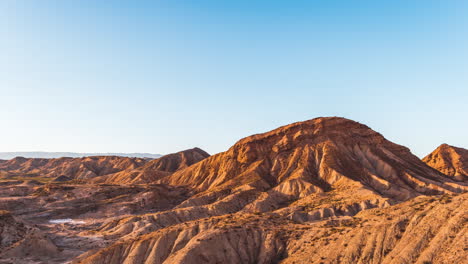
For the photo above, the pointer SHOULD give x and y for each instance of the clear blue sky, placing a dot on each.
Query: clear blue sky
(162, 76)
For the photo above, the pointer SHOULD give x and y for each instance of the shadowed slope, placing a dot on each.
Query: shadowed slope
(18, 240)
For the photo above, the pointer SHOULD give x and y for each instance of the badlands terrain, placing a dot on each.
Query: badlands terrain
(327, 190)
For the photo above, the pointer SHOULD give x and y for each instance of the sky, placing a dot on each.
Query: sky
(163, 76)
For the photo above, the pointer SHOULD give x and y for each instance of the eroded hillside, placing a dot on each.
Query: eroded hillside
(73, 168)
(449, 160)
(327, 190)
(156, 169)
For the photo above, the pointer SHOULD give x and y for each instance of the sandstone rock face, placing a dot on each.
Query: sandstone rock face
(449, 160)
(157, 168)
(75, 168)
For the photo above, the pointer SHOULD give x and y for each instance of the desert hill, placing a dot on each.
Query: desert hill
(74, 168)
(308, 172)
(326, 190)
(449, 160)
(314, 156)
(56, 155)
(156, 169)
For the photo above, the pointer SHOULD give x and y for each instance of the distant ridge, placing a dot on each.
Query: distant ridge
(52, 155)
(157, 168)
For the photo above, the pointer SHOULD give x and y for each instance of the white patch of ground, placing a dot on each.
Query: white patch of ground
(67, 221)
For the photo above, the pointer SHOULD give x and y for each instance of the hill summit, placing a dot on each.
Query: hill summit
(449, 160)
(156, 169)
(317, 155)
